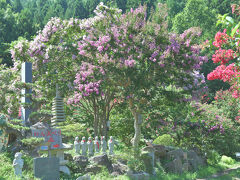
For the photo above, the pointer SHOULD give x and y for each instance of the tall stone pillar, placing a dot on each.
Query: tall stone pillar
(26, 74)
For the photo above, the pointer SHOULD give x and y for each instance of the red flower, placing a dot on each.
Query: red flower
(221, 38)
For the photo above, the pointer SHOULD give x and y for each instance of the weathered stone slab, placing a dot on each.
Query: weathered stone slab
(46, 168)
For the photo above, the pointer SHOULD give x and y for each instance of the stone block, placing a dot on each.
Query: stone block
(46, 168)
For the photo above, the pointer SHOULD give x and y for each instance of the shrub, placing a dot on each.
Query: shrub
(227, 160)
(165, 140)
(213, 157)
(208, 127)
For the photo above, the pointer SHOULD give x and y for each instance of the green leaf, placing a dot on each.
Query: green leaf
(230, 19)
(235, 29)
(218, 22)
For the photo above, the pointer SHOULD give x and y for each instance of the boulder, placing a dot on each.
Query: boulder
(174, 166)
(119, 168)
(169, 148)
(138, 176)
(103, 161)
(160, 151)
(115, 174)
(85, 177)
(93, 169)
(185, 166)
(122, 161)
(176, 154)
(81, 161)
(194, 160)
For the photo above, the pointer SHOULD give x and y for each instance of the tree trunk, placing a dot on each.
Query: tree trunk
(96, 122)
(137, 127)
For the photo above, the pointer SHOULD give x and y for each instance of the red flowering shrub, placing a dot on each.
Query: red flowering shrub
(229, 49)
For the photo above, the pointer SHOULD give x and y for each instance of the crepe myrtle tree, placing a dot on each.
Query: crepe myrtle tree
(127, 57)
(111, 55)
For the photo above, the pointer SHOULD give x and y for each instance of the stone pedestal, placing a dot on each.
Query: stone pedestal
(59, 153)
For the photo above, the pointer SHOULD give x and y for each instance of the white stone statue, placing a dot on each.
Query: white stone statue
(90, 146)
(104, 145)
(77, 145)
(97, 144)
(111, 144)
(18, 164)
(84, 146)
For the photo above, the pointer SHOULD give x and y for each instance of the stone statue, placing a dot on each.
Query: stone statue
(84, 146)
(111, 144)
(97, 145)
(18, 164)
(104, 145)
(77, 145)
(90, 146)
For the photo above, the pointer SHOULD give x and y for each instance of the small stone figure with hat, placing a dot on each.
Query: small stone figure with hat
(84, 146)
(97, 145)
(111, 144)
(90, 146)
(104, 145)
(77, 145)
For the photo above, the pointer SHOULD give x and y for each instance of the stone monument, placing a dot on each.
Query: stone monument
(18, 164)
(97, 145)
(77, 145)
(26, 75)
(103, 145)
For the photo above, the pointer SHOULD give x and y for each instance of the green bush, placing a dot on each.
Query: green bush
(165, 140)
(213, 157)
(135, 164)
(227, 160)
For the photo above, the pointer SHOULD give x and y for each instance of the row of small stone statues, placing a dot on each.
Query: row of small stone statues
(96, 144)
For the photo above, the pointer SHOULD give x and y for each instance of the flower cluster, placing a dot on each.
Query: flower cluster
(235, 9)
(83, 82)
(223, 56)
(227, 74)
(220, 39)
